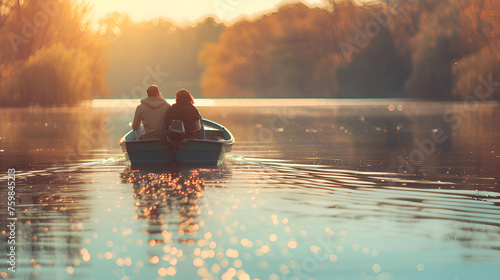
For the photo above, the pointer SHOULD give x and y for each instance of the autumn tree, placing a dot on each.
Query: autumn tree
(482, 30)
(388, 48)
(483, 27)
(59, 29)
(137, 49)
(439, 42)
(296, 52)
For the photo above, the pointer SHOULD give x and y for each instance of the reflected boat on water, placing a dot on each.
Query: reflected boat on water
(168, 200)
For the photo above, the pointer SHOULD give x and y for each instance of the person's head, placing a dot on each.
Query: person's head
(183, 97)
(153, 91)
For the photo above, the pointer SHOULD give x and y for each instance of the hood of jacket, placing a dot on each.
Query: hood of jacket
(154, 102)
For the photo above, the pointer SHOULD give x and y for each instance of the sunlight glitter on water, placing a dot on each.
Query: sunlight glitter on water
(228, 225)
(326, 203)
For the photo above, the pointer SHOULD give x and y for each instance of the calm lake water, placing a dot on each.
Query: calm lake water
(314, 189)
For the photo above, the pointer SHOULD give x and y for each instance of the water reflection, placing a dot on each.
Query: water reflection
(167, 199)
(374, 138)
(45, 137)
(323, 173)
(169, 203)
(369, 135)
(51, 211)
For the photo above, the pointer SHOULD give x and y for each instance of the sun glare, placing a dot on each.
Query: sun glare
(188, 12)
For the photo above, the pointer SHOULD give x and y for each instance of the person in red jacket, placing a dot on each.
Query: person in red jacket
(151, 112)
(184, 110)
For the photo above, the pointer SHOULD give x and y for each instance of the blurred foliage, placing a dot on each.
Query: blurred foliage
(53, 70)
(390, 48)
(434, 49)
(415, 48)
(159, 46)
(49, 54)
(480, 19)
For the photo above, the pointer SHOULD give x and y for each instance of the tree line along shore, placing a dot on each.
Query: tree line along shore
(53, 53)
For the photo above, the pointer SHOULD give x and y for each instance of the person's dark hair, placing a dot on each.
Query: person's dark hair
(153, 91)
(184, 97)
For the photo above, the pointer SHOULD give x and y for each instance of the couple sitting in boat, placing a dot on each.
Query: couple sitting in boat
(157, 115)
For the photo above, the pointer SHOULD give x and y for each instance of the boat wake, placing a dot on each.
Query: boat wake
(350, 194)
(354, 194)
(71, 167)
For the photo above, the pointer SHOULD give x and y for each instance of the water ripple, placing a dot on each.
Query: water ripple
(354, 193)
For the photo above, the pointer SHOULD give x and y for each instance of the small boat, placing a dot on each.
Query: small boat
(209, 152)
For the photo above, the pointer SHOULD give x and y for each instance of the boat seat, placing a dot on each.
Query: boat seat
(212, 134)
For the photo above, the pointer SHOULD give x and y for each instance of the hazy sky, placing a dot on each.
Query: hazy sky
(187, 11)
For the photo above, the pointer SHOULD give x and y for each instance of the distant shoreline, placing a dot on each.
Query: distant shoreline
(253, 102)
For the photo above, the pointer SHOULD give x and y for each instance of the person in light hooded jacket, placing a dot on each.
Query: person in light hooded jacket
(151, 112)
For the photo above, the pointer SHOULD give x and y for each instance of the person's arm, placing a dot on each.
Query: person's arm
(200, 133)
(198, 124)
(168, 118)
(136, 124)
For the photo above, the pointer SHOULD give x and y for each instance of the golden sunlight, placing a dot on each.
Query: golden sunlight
(187, 12)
